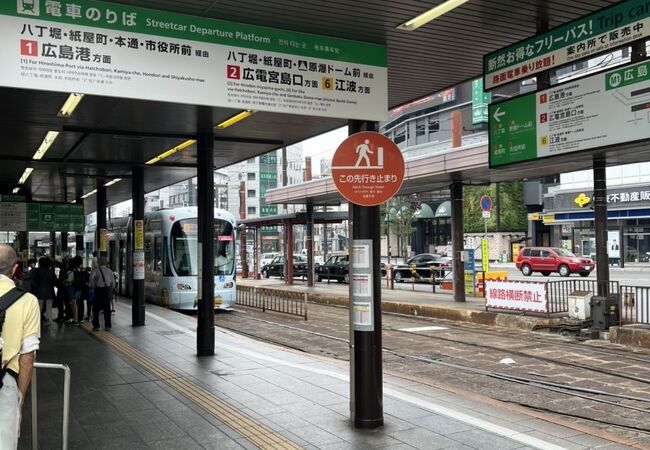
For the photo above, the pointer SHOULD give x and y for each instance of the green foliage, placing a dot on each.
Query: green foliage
(512, 209)
(399, 211)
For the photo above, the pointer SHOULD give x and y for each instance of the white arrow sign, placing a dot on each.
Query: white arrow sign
(498, 114)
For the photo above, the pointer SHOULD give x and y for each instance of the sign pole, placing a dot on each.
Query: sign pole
(366, 377)
(486, 206)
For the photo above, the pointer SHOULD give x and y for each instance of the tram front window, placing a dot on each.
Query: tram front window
(224, 248)
(184, 238)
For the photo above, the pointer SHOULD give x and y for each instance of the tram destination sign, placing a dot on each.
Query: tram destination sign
(590, 35)
(605, 109)
(118, 50)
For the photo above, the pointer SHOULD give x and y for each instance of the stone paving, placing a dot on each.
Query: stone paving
(118, 404)
(484, 347)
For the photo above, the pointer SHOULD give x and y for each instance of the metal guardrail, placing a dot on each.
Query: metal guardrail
(66, 402)
(276, 300)
(634, 304)
(559, 291)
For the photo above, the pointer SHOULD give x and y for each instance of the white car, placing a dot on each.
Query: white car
(266, 258)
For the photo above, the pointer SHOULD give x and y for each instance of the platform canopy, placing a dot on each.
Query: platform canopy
(108, 135)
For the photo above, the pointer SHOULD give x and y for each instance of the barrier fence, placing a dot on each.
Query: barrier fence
(66, 402)
(276, 300)
(559, 291)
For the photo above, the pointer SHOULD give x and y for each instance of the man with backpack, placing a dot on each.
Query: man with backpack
(19, 339)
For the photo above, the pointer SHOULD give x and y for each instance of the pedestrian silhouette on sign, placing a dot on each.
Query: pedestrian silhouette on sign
(363, 150)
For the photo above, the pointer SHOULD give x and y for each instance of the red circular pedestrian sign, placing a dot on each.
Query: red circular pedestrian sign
(368, 168)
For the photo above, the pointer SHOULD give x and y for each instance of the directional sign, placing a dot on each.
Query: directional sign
(368, 168)
(605, 109)
(486, 203)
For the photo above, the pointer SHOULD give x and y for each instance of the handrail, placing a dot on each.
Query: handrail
(66, 402)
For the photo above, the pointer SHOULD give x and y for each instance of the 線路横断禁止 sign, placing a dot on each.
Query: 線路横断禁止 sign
(117, 50)
(22, 216)
(516, 295)
(605, 109)
(590, 35)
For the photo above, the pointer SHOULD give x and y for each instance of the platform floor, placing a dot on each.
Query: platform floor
(140, 388)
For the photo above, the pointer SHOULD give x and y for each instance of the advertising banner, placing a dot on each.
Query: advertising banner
(516, 295)
(139, 234)
(116, 50)
(604, 30)
(605, 109)
(138, 265)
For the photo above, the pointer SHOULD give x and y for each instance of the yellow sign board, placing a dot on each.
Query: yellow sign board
(548, 218)
(470, 282)
(535, 216)
(103, 240)
(139, 234)
(485, 255)
(582, 200)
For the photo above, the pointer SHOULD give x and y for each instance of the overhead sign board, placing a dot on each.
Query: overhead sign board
(21, 216)
(605, 109)
(590, 35)
(368, 168)
(119, 50)
(480, 102)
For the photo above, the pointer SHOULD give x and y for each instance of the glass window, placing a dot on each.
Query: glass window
(545, 254)
(251, 176)
(400, 135)
(251, 193)
(251, 161)
(434, 125)
(184, 236)
(421, 127)
(252, 210)
(224, 248)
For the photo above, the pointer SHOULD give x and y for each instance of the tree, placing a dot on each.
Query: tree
(512, 209)
(400, 211)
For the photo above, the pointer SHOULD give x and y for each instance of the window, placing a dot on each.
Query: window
(251, 161)
(545, 254)
(434, 125)
(420, 127)
(252, 210)
(251, 176)
(400, 135)
(251, 193)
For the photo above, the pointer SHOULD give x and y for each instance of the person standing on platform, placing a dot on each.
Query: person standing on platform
(102, 282)
(79, 285)
(43, 281)
(18, 343)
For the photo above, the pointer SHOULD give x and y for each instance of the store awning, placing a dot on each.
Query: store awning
(444, 209)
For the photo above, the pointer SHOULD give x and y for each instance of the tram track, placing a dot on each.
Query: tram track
(632, 403)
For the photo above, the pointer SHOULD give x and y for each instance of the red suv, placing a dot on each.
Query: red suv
(552, 259)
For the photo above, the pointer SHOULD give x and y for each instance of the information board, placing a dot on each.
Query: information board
(612, 27)
(20, 216)
(119, 50)
(361, 285)
(605, 109)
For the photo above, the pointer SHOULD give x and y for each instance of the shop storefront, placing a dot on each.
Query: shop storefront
(571, 217)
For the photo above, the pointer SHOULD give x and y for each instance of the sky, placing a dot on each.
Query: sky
(323, 146)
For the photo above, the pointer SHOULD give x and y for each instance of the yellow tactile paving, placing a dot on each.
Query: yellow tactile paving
(256, 433)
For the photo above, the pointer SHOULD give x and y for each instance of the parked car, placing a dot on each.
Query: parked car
(276, 267)
(337, 268)
(422, 264)
(553, 259)
(266, 258)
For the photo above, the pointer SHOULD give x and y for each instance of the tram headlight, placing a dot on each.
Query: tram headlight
(228, 285)
(183, 287)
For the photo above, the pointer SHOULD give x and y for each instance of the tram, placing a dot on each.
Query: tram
(171, 255)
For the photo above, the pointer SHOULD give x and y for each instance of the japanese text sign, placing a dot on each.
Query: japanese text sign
(590, 35)
(604, 109)
(516, 295)
(110, 49)
(368, 168)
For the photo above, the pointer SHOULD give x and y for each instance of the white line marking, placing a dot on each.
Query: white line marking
(430, 406)
(413, 330)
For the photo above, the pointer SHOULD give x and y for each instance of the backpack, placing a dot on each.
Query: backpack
(8, 299)
(80, 280)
